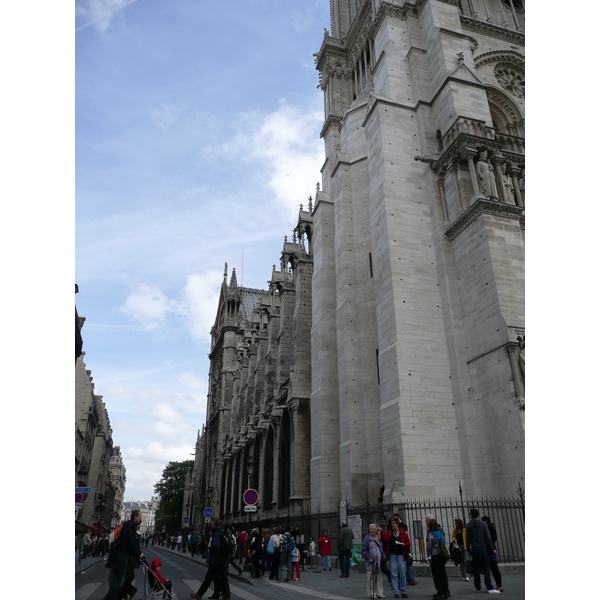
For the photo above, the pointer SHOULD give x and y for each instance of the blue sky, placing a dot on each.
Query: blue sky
(196, 140)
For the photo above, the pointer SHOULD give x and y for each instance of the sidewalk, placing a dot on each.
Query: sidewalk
(87, 562)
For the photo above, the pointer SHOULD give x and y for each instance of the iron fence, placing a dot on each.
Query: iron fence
(507, 514)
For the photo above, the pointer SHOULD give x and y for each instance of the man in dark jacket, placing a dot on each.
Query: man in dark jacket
(217, 562)
(479, 542)
(256, 548)
(125, 548)
(345, 548)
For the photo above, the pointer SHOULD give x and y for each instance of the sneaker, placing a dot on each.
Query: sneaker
(466, 579)
(476, 590)
(493, 592)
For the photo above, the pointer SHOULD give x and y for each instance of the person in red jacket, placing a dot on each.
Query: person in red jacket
(161, 582)
(325, 549)
(397, 547)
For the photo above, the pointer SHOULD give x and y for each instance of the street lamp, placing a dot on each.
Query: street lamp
(250, 471)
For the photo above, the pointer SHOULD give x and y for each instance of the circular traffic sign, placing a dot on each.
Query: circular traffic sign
(250, 496)
(208, 512)
(78, 498)
(186, 520)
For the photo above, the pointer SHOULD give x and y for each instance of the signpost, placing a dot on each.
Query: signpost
(186, 520)
(250, 508)
(250, 497)
(78, 498)
(208, 512)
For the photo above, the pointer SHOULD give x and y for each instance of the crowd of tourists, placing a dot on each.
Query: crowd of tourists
(280, 551)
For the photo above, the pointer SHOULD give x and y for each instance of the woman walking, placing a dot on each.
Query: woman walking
(435, 539)
(398, 546)
(372, 553)
(494, 555)
(459, 536)
(276, 554)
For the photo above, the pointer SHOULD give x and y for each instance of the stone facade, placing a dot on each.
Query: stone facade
(413, 374)
(118, 480)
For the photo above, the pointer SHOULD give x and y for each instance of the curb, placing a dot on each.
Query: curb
(80, 568)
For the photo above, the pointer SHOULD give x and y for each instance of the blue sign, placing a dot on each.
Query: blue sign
(186, 520)
(83, 490)
(208, 512)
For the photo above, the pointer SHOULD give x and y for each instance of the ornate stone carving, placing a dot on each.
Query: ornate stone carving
(485, 176)
(495, 31)
(509, 190)
(511, 79)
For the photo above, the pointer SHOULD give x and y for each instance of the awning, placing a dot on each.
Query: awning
(97, 528)
(81, 527)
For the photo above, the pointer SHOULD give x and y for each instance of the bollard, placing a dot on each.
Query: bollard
(317, 563)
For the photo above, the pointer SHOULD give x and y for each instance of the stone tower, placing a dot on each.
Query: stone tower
(418, 248)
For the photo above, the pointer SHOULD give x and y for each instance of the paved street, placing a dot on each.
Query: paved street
(91, 583)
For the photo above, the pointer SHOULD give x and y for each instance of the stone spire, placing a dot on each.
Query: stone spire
(233, 282)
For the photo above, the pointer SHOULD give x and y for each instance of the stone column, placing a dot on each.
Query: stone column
(453, 169)
(440, 183)
(514, 171)
(512, 7)
(469, 155)
(487, 14)
(497, 161)
(504, 21)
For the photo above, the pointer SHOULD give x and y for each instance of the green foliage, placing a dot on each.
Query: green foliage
(170, 491)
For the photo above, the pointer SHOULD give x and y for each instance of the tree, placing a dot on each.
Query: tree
(170, 491)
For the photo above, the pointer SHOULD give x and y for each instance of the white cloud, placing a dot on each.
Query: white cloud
(148, 306)
(199, 302)
(286, 147)
(164, 115)
(190, 380)
(97, 13)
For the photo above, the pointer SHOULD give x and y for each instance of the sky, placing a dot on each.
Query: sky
(196, 139)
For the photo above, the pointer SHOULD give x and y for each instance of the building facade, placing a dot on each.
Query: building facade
(118, 480)
(147, 509)
(388, 351)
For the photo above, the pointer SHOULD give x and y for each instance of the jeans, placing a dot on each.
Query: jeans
(410, 576)
(398, 568)
(285, 558)
(345, 562)
(323, 557)
(482, 558)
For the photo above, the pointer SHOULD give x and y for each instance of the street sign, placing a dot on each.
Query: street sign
(164, 528)
(250, 508)
(208, 512)
(78, 505)
(186, 520)
(83, 490)
(250, 497)
(78, 498)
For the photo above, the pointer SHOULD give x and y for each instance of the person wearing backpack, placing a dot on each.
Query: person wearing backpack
(286, 545)
(217, 557)
(435, 551)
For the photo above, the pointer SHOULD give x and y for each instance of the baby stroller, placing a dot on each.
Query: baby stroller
(153, 588)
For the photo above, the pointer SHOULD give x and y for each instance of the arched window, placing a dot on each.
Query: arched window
(269, 470)
(284, 461)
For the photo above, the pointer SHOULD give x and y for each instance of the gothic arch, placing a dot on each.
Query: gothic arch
(269, 470)
(506, 115)
(284, 461)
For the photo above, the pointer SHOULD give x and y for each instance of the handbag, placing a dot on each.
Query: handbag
(493, 554)
(443, 551)
(409, 560)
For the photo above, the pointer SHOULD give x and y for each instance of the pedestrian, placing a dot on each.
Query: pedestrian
(128, 590)
(122, 549)
(410, 576)
(275, 555)
(179, 542)
(295, 558)
(435, 540)
(312, 551)
(243, 537)
(256, 545)
(216, 565)
(397, 548)
(265, 557)
(479, 544)
(194, 543)
(87, 541)
(494, 555)
(345, 548)
(286, 545)
(230, 561)
(325, 549)
(372, 553)
(459, 537)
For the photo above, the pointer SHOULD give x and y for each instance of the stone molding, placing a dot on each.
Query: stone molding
(482, 206)
(510, 56)
(495, 31)
(332, 120)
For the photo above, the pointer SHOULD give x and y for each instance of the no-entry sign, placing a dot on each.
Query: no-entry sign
(251, 497)
(78, 498)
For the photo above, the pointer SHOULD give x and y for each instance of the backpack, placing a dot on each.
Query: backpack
(270, 547)
(289, 544)
(117, 532)
(226, 547)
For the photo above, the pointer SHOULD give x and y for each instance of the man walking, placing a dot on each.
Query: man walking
(345, 548)
(123, 549)
(87, 541)
(217, 558)
(256, 548)
(479, 541)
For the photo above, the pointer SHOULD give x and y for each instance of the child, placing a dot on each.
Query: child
(295, 563)
(161, 582)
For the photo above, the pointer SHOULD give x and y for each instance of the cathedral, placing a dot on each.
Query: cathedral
(388, 353)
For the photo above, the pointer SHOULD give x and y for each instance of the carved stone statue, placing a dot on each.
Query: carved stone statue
(485, 176)
(521, 341)
(509, 190)
(522, 184)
